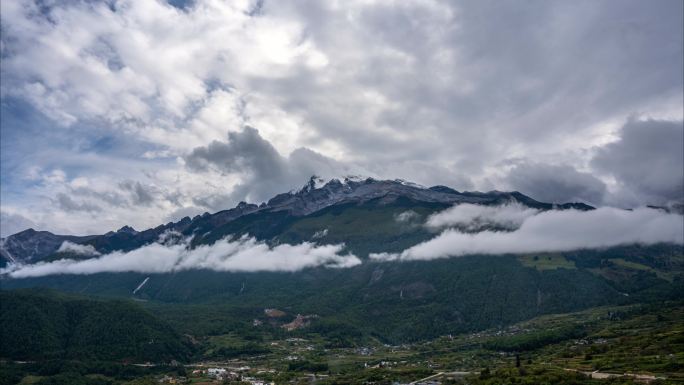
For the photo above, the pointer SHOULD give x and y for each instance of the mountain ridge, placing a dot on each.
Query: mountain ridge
(31, 246)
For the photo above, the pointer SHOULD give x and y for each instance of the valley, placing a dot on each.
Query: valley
(124, 315)
(620, 342)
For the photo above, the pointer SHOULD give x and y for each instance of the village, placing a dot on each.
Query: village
(291, 352)
(216, 375)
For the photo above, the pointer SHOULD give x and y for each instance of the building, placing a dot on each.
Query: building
(216, 372)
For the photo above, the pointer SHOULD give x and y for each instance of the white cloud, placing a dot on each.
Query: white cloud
(554, 231)
(320, 234)
(241, 255)
(13, 223)
(556, 183)
(406, 216)
(430, 91)
(474, 217)
(70, 247)
(263, 170)
(144, 61)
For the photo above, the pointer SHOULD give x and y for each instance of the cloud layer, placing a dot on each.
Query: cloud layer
(470, 217)
(524, 230)
(241, 255)
(549, 231)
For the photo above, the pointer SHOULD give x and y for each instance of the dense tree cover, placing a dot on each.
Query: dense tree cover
(68, 372)
(337, 334)
(307, 366)
(240, 350)
(44, 325)
(534, 340)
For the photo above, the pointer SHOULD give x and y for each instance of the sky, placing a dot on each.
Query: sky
(141, 112)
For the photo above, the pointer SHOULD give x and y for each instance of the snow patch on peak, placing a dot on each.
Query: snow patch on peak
(319, 182)
(316, 182)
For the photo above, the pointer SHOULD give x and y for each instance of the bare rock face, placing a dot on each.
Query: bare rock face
(274, 313)
(301, 321)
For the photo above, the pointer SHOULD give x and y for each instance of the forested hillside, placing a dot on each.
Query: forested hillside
(407, 301)
(38, 324)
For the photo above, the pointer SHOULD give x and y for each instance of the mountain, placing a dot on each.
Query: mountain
(388, 301)
(281, 217)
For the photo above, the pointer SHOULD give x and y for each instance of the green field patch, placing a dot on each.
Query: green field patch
(28, 380)
(631, 265)
(668, 276)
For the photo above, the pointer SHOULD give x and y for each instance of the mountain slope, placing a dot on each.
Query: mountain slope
(413, 300)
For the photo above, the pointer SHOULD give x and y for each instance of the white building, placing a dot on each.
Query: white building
(216, 372)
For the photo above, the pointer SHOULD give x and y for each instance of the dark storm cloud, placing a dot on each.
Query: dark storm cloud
(647, 161)
(140, 194)
(68, 204)
(263, 170)
(556, 183)
(244, 151)
(113, 198)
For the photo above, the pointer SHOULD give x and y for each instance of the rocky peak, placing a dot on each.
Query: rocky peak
(313, 183)
(127, 230)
